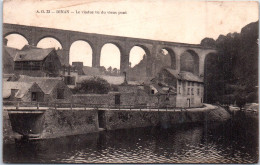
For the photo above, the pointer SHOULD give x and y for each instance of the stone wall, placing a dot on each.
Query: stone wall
(120, 119)
(59, 123)
(53, 95)
(63, 122)
(128, 98)
(8, 133)
(94, 99)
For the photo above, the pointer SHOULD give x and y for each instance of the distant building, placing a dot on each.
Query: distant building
(37, 62)
(189, 87)
(70, 75)
(78, 66)
(90, 71)
(85, 70)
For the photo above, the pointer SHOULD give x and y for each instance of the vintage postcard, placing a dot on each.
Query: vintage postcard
(142, 81)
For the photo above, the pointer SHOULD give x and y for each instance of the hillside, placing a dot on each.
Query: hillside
(232, 74)
(139, 70)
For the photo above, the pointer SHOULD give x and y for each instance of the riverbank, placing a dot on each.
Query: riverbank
(53, 123)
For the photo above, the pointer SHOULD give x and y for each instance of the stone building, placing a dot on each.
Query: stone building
(54, 89)
(85, 70)
(37, 62)
(70, 75)
(8, 59)
(162, 95)
(189, 86)
(22, 91)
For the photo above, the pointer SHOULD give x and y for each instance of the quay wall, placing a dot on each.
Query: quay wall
(8, 133)
(65, 122)
(121, 119)
(69, 122)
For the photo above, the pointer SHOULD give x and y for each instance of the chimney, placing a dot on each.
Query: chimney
(64, 69)
(69, 70)
(125, 81)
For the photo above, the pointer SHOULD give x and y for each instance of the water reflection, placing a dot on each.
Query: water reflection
(225, 143)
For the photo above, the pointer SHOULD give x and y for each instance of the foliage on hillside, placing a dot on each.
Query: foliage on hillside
(232, 74)
(139, 70)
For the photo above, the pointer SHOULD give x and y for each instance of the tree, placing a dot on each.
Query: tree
(115, 72)
(235, 64)
(109, 70)
(102, 69)
(208, 42)
(94, 85)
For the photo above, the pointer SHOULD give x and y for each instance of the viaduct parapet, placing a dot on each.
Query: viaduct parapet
(125, 44)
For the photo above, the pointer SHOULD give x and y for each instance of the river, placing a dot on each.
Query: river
(235, 141)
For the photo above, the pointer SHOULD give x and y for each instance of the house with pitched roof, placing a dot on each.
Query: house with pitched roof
(8, 59)
(37, 62)
(189, 87)
(22, 91)
(54, 88)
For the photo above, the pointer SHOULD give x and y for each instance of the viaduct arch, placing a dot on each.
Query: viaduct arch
(125, 44)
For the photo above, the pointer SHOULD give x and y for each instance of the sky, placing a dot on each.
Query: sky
(167, 20)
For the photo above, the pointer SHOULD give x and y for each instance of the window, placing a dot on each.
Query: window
(192, 83)
(179, 81)
(188, 83)
(117, 99)
(198, 91)
(60, 93)
(188, 91)
(179, 90)
(192, 91)
(198, 84)
(69, 80)
(152, 91)
(34, 96)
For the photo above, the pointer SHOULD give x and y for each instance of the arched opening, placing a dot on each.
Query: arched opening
(16, 40)
(110, 59)
(136, 56)
(49, 42)
(81, 51)
(166, 58)
(139, 61)
(190, 62)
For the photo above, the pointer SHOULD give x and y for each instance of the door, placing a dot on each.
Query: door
(117, 99)
(188, 102)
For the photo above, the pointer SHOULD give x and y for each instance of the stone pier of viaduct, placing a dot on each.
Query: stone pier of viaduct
(125, 44)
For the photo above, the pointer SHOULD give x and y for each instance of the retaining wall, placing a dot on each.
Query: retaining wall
(57, 123)
(121, 119)
(69, 122)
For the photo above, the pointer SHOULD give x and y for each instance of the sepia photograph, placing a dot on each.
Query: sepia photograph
(120, 81)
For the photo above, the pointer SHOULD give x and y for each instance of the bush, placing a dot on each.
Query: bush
(95, 85)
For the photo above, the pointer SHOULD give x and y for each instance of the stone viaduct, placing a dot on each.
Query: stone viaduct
(125, 44)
